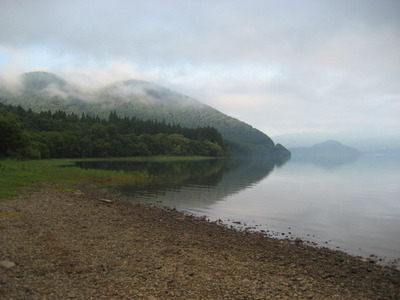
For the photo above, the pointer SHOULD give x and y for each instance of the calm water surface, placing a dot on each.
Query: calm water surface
(352, 206)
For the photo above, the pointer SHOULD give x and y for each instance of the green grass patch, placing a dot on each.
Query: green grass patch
(160, 158)
(18, 175)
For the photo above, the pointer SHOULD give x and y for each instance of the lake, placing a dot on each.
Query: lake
(352, 206)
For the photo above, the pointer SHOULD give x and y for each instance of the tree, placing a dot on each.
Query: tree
(11, 135)
(27, 134)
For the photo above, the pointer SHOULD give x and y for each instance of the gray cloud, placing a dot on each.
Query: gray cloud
(282, 66)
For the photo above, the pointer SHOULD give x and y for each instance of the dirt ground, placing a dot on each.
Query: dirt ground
(82, 242)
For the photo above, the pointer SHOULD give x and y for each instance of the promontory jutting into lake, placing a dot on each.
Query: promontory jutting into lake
(349, 204)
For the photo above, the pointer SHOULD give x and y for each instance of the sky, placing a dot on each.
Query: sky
(321, 66)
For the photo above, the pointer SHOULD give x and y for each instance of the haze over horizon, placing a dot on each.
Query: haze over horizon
(323, 67)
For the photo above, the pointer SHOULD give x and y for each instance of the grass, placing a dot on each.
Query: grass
(16, 176)
(160, 158)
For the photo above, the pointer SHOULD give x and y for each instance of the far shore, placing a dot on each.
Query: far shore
(78, 241)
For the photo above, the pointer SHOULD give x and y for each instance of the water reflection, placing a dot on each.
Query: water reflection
(190, 184)
(353, 205)
(326, 162)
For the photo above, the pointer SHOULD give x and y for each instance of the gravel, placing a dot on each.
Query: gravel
(83, 242)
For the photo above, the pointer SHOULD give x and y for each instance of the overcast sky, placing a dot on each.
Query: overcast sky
(281, 66)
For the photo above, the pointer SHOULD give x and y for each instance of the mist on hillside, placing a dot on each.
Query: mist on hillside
(282, 66)
(132, 98)
(100, 89)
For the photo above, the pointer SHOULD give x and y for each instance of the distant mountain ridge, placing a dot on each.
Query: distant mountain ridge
(135, 98)
(327, 149)
(363, 141)
(41, 80)
(328, 154)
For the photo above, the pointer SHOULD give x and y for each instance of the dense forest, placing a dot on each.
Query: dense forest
(132, 98)
(27, 134)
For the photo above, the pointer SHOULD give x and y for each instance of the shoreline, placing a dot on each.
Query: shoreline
(83, 242)
(290, 238)
(308, 240)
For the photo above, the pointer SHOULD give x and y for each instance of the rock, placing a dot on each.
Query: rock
(371, 260)
(106, 200)
(7, 264)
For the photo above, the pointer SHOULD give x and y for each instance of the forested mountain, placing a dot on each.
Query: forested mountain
(27, 134)
(134, 98)
(42, 80)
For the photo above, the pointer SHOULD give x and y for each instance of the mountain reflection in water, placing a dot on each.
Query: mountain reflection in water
(352, 205)
(189, 185)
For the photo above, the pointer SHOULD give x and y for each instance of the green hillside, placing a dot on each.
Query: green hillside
(25, 134)
(143, 100)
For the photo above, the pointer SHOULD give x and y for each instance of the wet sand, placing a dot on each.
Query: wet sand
(82, 242)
